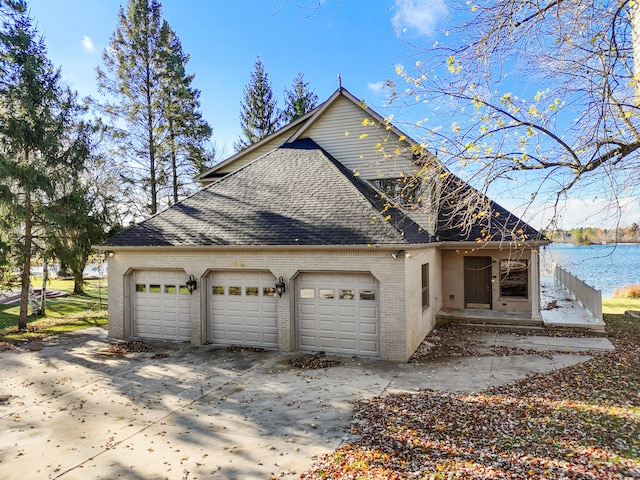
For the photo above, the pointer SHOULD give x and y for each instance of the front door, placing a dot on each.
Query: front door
(477, 282)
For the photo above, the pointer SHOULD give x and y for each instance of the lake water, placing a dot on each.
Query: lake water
(605, 267)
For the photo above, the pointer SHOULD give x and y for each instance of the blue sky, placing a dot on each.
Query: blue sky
(363, 40)
(359, 39)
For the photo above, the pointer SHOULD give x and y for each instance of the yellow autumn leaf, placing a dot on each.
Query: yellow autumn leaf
(346, 134)
(364, 135)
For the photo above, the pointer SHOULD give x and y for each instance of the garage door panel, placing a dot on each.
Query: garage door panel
(369, 329)
(348, 311)
(160, 310)
(338, 313)
(326, 309)
(241, 309)
(371, 347)
(348, 344)
(347, 327)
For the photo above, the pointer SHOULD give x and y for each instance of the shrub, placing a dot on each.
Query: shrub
(630, 291)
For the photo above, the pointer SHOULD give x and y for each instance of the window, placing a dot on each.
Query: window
(269, 291)
(514, 278)
(252, 291)
(235, 290)
(347, 294)
(217, 290)
(327, 293)
(404, 190)
(425, 286)
(141, 287)
(170, 289)
(184, 290)
(307, 293)
(367, 295)
(155, 289)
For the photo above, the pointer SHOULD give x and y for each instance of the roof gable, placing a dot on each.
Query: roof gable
(347, 129)
(296, 195)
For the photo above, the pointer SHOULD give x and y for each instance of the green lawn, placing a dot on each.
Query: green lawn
(619, 305)
(62, 314)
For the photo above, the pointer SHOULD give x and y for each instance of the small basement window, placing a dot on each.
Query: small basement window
(514, 278)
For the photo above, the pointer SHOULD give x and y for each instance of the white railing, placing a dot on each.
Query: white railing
(590, 298)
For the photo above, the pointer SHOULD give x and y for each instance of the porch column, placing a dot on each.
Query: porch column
(534, 268)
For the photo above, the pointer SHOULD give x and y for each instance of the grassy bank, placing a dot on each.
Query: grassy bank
(582, 421)
(620, 305)
(63, 314)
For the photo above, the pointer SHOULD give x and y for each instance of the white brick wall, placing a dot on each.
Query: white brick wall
(399, 334)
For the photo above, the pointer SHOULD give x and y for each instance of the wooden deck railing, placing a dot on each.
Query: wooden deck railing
(590, 298)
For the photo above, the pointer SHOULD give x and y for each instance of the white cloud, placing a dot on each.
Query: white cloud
(376, 87)
(420, 16)
(576, 212)
(87, 43)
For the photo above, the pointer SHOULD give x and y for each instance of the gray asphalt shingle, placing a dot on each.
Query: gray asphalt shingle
(295, 195)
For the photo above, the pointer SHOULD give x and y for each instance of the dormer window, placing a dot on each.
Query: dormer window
(404, 190)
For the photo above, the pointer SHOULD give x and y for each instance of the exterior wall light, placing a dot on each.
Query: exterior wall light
(280, 287)
(192, 284)
(110, 254)
(401, 254)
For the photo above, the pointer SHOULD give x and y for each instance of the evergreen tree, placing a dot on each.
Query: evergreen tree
(155, 103)
(187, 131)
(36, 113)
(259, 115)
(299, 100)
(83, 212)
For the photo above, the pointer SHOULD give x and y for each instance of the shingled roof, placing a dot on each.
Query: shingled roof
(496, 223)
(295, 195)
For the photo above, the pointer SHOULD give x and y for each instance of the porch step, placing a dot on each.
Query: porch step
(491, 319)
(486, 317)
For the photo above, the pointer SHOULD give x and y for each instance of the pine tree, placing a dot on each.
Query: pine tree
(36, 113)
(155, 103)
(259, 115)
(299, 100)
(187, 131)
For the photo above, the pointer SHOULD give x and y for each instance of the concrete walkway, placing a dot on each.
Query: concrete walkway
(560, 309)
(70, 409)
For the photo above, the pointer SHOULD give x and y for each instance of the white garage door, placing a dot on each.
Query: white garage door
(243, 309)
(161, 305)
(338, 313)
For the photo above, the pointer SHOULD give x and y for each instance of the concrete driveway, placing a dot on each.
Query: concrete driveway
(70, 409)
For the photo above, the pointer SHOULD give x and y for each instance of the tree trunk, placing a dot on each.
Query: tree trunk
(174, 161)
(78, 282)
(43, 294)
(26, 265)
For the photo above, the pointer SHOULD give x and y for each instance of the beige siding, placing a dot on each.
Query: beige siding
(389, 272)
(270, 145)
(360, 154)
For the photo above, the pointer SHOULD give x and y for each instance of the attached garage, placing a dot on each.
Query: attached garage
(243, 309)
(161, 305)
(338, 313)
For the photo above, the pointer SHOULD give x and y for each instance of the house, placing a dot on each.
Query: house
(322, 237)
